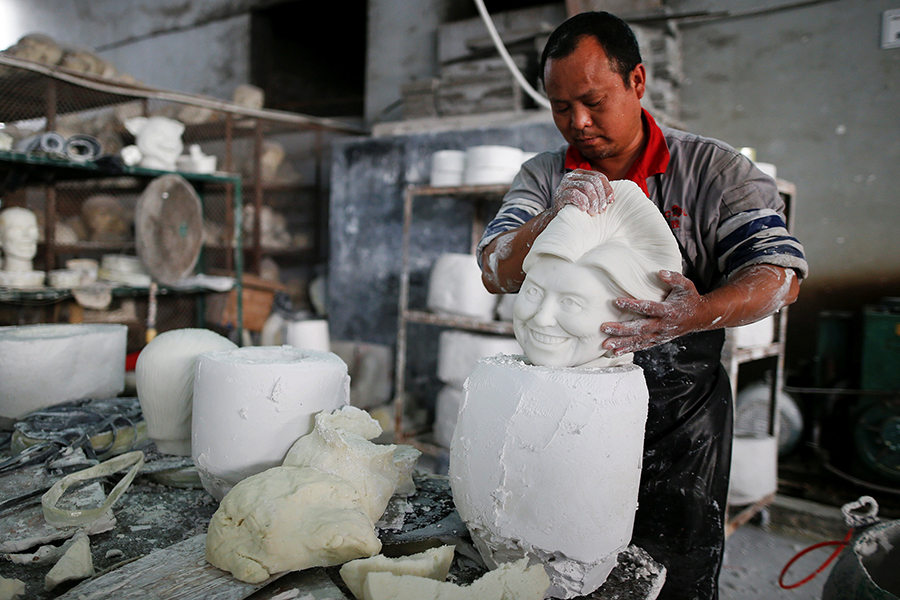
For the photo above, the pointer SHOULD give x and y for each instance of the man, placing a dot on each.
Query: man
(739, 265)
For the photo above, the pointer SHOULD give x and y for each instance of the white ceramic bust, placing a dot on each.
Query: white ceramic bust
(18, 238)
(576, 269)
(157, 142)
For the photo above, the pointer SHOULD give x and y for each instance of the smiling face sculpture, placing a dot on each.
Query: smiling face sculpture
(576, 269)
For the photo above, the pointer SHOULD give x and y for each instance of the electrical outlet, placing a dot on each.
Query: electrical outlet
(890, 29)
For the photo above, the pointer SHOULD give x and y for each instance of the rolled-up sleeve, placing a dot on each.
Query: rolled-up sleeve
(758, 236)
(530, 193)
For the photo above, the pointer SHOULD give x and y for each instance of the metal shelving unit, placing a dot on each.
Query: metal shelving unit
(23, 170)
(733, 358)
(40, 98)
(480, 196)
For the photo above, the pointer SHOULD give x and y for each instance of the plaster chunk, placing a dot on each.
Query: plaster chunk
(339, 445)
(434, 563)
(11, 588)
(510, 581)
(76, 563)
(288, 519)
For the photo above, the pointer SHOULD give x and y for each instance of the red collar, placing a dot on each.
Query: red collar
(653, 160)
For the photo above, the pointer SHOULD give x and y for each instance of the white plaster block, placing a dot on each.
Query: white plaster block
(45, 365)
(459, 352)
(446, 412)
(524, 433)
(252, 404)
(754, 469)
(760, 333)
(455, 288)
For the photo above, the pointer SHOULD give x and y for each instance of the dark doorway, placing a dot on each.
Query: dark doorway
(310, 59)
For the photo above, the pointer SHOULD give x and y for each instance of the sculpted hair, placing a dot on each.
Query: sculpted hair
(610, 31)
(628, 243)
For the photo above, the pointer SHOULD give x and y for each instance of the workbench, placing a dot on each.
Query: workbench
(155, 548)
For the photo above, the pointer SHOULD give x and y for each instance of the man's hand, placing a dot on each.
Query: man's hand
(588, 190)
(680, 313)
(751, 294)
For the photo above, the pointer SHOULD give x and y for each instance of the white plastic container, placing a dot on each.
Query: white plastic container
(525, 433)
(754, 469)
(252, 404)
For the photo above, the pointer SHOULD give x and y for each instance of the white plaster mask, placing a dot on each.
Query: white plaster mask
(576, 269)
(559, 311)
(18, 233)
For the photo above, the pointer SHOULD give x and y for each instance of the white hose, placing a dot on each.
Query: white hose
(507, 59)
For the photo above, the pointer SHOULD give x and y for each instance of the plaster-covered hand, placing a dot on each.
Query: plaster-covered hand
(751, 294)
(502, 260)
(588, 190)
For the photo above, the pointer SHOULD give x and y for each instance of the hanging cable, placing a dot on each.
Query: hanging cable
(520, 79)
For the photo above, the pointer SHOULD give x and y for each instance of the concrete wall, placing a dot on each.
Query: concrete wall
(197, 47)
(402, 47)
(811, 89)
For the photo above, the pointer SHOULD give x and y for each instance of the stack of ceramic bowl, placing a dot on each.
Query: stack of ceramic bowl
(22, 280)
(447, 168)
(491, 165)
(64, 278)
(124, 269)
(87, 267)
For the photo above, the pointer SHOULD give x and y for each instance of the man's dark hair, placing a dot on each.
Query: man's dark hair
(613, 34)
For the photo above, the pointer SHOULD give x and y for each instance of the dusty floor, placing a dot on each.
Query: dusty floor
(754, 558)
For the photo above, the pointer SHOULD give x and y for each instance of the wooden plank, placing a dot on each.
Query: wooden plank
(179, 572)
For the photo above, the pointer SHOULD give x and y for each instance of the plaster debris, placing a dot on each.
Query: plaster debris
(76, 563)
(509, 581)
(432, 564)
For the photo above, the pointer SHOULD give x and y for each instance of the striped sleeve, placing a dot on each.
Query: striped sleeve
(514, 213)
(757, 236)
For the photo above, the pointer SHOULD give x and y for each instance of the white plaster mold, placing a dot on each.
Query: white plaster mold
(459, 352)
(252, 404)
(165, 384)
(45, 365)
(545, 463)
(455, 288)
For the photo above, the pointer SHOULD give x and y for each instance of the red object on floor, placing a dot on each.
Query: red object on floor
(131, 360)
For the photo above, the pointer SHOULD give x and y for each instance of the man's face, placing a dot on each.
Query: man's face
(558, 313)
(592, 107)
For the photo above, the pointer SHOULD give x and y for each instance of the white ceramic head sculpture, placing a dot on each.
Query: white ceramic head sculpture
(158, 139)
(165, 384)
(18, 238)
(576, 269)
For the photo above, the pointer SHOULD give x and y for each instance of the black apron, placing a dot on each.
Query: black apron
(680, 519)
